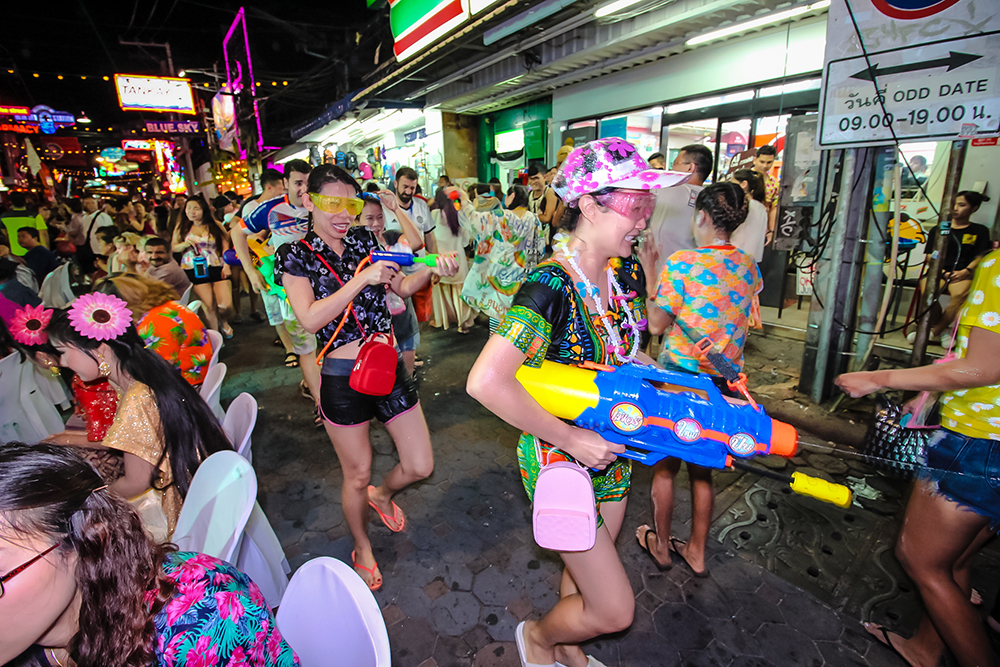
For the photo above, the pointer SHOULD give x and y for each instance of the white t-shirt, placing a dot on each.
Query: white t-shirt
(419, 212)
(749, 237)
(670, 224)
(91, 224)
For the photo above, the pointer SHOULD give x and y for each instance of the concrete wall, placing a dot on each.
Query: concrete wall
(461, 151)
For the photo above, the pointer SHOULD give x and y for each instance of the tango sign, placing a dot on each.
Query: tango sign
(154, 93)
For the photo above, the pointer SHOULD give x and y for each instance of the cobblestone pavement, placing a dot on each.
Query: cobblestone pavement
(790, 577)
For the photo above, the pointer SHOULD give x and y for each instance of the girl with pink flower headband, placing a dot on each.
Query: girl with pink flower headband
(162, 427)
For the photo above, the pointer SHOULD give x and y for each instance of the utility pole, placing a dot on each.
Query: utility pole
(185, 145)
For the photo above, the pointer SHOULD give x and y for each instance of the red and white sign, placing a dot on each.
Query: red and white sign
(985, 141)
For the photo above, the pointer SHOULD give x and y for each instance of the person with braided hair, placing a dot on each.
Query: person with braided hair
(705, 292)
(83, 584)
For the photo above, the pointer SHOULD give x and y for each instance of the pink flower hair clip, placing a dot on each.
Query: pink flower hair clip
(100, 316)
(28, 325)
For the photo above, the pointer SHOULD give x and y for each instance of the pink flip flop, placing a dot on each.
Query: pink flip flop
(398, 518)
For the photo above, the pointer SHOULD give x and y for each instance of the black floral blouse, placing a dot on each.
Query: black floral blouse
(298, 259)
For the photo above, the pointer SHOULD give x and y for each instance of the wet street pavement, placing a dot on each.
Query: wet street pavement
(791, 578)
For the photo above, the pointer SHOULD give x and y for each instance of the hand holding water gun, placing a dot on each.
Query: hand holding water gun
(656, 413)
(263, 256)
(442, 265)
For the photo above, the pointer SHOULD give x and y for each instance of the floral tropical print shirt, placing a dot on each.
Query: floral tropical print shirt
(306, 259)
(178, 335)
(216, 617)
(507, 248)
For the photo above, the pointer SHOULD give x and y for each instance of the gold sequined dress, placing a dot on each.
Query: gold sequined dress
(137, 430)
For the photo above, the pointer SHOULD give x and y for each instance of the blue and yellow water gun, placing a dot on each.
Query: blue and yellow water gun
(656, 413)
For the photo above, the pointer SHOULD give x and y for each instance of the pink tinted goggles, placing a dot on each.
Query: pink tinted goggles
(635, 206)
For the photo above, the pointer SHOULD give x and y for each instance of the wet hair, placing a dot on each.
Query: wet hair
(448, 212)
(408, 173)
(298, 166)
(974, 198)
(207, 218)
(767, 149)
(271, 177)
(17, 199)
(520, 196)
(725, 203)
(49, 492)
(754, 182)
(142, 294)
(331, 173)
(701, 157)
(191, 433)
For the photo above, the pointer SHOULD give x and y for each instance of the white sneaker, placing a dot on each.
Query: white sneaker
(910, 337)
(931, 340)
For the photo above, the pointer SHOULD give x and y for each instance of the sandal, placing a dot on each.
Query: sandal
(885, 639)
(304, 389)
(376, 581)
(291, 360)
(673, 545)
(644, 543)
(398, 517)
(227, 333)
(318, 419)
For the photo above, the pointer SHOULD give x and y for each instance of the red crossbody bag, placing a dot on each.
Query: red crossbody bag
(374, 371)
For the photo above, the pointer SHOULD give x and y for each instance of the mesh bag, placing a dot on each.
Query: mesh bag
(894, 450)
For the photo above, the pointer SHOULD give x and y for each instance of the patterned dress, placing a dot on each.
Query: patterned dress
(549, 320)
(178, 335)
(216, 617)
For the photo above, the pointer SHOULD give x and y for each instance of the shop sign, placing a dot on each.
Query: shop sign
(19, 128)
(139, 156)
(11, 111)
(929, 71)
(742, 160)
(46, 118)
(136, 145)
(416, 24)
(509, 142)
(410, 137)
(154, 93)
(985, 141)
(113, 154)
(224, 118)
(173, 127)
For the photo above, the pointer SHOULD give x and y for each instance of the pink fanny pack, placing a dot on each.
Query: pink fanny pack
(564, 513)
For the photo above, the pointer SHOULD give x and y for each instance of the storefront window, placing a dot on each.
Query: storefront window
(639, 128)
(680, 135)
(734, 138)
(771, 130)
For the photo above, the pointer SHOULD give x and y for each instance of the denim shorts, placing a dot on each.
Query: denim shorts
(965, 470)
(410, 344)
(342, 406)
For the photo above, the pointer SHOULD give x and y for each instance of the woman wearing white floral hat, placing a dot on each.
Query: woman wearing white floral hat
(586, 303)
(955, 508)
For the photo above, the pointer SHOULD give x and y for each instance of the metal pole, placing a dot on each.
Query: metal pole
(836, 247)
(956, 160)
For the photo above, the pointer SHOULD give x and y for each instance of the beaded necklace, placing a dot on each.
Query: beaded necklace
(616, 293)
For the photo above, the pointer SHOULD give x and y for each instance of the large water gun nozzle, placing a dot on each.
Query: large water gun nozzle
(784, 439)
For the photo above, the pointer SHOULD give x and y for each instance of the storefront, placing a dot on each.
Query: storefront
(512, 140)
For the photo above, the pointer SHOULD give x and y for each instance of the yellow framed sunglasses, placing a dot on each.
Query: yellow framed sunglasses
(334, 205)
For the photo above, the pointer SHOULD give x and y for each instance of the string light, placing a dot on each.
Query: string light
(85, 77)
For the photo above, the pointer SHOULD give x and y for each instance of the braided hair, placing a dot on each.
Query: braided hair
(726, 204)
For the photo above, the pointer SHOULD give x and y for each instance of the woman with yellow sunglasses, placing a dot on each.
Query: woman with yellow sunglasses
(318, 274)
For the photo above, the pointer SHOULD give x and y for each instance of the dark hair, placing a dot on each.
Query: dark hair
(107, 234)
(571, 216)
(49, 491)
(767, 149)
(207, 218)
(408, 173)
(17, 199)
(155, 241)
(754, 182)
(120, 202)
(75, 205)
(495, 180)
(536, 169)
(484, 189)
(520, 196)
(298, 166)
(725, 203)
(448, 212)
(974, 198)
(8, 270)
(445, 177)
(191, 433)
(471, 190)
(919, 159)
(701, 157)
(372, 186)
(331, 173)
(271, 177)
(656, 156)
(30, 231)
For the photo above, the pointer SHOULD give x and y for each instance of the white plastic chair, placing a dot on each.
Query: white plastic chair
(262, 557)
(196, 307)
(25, 413)
(217, 343)
(211, 388)
(56, 291)
(328, 611)
(217, 507)
(52, 388)
(238, 424)
(186, 297)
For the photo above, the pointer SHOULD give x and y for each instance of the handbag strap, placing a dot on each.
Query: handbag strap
(350, 306)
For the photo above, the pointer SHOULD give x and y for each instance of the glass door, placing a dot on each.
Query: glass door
(679, 135)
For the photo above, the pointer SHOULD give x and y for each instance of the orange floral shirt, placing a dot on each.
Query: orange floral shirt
(178, 335)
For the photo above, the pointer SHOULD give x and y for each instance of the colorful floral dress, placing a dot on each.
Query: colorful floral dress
(548, 320)
(178, 335)
(507, 248)
(216, 617)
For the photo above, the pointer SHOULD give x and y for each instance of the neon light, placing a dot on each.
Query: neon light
(241, 19)
(154, 93)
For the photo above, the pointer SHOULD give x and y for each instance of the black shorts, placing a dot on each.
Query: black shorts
(342, 406)
(214, 276)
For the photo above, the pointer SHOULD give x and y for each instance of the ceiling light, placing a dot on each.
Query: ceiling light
(613, 7)
(757, 23)
(706, 102)
(83, 118)
(182, 73)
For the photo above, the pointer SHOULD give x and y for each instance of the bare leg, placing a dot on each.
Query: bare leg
(662, 493)
(285, 339)
(416, 458)
(702, 504)
(355, 454)
(224, 302)
(959, 291)
(206, 295)
(409, 360)
(235, 279)
(310, 372)
(937, 537)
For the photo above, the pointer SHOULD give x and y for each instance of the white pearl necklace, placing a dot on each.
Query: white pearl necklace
(616, 293)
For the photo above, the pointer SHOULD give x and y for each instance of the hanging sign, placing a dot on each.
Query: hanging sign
(416, 24)
(46, 118)
(10, 111)
(928, 70)
(19, 128)
(154, 93)
(137, 145)
(113, 154)
(173, 127)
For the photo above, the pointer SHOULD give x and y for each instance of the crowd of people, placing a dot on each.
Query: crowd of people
(583, 263)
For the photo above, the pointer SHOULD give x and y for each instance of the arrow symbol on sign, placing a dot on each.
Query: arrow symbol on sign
(953, 61)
